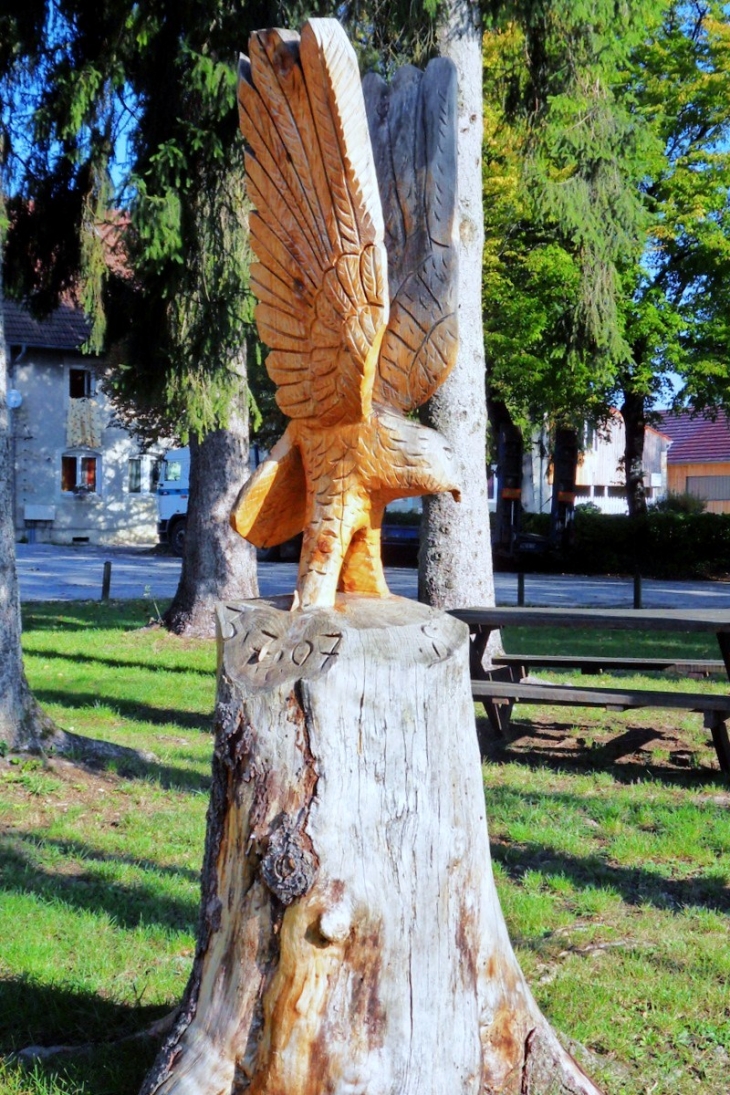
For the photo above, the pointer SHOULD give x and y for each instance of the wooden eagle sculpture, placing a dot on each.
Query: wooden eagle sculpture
(359, 314)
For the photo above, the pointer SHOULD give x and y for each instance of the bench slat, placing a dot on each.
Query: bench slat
(576, 696)
(595, 664)
(600, 619)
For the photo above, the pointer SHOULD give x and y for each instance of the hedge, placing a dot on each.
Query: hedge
(660, 545)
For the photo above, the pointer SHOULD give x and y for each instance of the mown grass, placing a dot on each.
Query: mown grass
(612, 863)
(630, 644)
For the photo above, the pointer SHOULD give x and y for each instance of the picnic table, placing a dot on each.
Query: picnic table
(506, 680)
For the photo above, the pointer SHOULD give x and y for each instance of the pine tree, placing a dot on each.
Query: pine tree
(161, 76)
(564, 214)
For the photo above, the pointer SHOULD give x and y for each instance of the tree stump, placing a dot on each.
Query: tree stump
(351, 940)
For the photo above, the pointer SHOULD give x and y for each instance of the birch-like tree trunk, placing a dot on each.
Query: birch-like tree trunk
(23, 725)
(218, 565)
(351, 941)
(456, 556)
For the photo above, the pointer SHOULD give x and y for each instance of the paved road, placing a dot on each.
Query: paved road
(47, 572)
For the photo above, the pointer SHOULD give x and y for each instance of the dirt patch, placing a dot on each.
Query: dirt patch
(33, 790)
(635, 746)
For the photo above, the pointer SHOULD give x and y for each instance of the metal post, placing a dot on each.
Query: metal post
(637, 589)
(520, 589)
(106, 581)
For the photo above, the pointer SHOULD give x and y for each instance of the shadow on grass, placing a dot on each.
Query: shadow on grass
(166, 777)
(131, 764)
(128, 709)
(560, 747)
(78, 850)
(118, 663)
(96, 755)
(33, 1013)
(128, 905)
(84, 615)
(635, 885)
(36, 1014)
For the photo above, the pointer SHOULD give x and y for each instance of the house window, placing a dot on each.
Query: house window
(155, 472)
(80, 383)
(713, 488)
(143, 474)
(134, 468)
(79, 473)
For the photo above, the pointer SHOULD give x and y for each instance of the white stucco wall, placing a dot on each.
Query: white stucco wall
(40, 427)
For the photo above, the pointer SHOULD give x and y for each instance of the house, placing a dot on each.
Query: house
(699, 458)
(80, 476)
(600, 477)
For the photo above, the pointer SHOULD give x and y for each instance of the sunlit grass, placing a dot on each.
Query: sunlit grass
(617, 898)
(615, 881)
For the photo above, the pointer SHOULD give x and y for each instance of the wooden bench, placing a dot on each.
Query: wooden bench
(506, 681)
(499, 697)
(588, 664)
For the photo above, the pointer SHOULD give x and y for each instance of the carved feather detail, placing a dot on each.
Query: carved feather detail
(321, 173)
(413, 130)
(321, 278)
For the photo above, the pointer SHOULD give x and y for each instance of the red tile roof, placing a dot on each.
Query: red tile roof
(65, 329)
(697, 440)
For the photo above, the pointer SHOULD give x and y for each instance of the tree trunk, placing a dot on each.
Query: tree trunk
(23, 726)
(351, 940)
(510, 453)
(456, 555)
(562, 504)
(218, 565)
(634, 425)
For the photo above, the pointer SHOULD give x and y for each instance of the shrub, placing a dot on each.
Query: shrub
(661, 545)
(676, 545)
(680, 502)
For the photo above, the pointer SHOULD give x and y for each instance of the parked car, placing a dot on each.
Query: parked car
(400, 537)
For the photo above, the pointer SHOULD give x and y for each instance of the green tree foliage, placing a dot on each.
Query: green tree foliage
(80, 82)
(606, 198)
(570, 149)
(161, 78)
(677, 300)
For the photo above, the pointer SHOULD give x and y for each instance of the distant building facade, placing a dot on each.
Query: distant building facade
(600, 476)
(699, 458)
(79, 475)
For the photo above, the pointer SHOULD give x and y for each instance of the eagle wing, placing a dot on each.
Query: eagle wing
(413, 131)
(321, 275)
(271, 506)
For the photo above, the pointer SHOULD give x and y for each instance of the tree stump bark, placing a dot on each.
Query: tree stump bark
(351, 941)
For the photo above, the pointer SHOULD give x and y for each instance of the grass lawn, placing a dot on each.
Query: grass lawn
(610, 839)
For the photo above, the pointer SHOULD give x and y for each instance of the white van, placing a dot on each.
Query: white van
(400, 535)
(173, 490)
